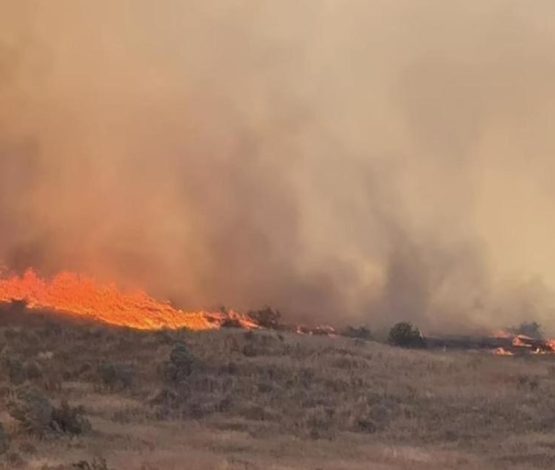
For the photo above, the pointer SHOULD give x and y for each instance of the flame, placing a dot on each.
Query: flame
(82, 296)
(503, 352)
(519, 341)
(522, 343)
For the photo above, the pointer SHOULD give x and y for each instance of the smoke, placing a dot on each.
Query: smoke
(345, 161)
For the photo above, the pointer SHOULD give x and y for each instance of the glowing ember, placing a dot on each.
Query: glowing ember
(503, 352)
(82, 296)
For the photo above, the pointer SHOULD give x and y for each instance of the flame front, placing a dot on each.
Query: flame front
(82, 296)
(521, 343)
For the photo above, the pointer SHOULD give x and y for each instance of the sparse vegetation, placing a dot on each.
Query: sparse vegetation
(223, 393)
(38, 416)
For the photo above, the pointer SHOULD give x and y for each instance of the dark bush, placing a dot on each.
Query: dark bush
(266, 317)
(406, 335)
(531, 329)
(4, 440)
(15, 369)
(116, 376)
(95, 464)
(69, 420)
(31, 408)
(180, 365)
(366, 425)
(231, 323)
(181, 356)
(37, 415)
(33, 370)
(360, 332)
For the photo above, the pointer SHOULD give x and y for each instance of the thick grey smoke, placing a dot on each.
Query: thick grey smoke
(343, 160)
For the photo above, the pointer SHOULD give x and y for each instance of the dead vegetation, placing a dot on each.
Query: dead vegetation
(126, 399)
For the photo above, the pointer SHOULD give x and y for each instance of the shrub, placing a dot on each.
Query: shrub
(366, 425)
(37, 415)
(95, 464)
(406, 335)
(69, 420)
(4, 440)
(15, 369)
(181, 356)
(116, 376)
(266, 317)
(360, 332)
(180, 365)
(31, 408)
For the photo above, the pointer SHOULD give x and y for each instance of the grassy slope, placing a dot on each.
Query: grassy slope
(264, 400)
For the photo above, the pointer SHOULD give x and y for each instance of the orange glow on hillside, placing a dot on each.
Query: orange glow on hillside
(77, 295)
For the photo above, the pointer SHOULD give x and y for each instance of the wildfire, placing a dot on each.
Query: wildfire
(518, 343)
(82, 296)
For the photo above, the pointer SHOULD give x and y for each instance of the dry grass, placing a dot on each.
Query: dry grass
(277, 401)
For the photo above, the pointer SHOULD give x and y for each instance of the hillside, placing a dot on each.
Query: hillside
(234, 399)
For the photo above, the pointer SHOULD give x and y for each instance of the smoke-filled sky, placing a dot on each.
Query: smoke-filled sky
(341, 160)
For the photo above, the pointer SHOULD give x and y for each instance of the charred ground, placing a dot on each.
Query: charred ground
(105, 398)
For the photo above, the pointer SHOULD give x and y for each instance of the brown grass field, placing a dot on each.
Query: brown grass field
(232, 399)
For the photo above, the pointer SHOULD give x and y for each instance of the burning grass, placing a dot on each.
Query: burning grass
(81, 296)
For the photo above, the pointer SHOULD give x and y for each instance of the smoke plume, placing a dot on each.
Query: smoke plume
(341, 160)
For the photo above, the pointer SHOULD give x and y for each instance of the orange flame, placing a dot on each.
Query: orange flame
(82, 296)
(523, 343)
